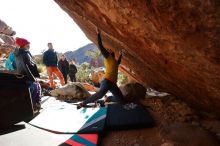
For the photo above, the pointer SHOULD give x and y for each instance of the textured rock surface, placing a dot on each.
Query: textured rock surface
(176, 124)
(133, 92)
(5, 29)
(71, 91)
(6, 40)
(171, 45)
(186, 134)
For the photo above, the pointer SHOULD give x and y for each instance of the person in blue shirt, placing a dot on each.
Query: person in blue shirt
(51, 61)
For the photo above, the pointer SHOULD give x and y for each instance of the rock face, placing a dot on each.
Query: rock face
(170, 45)
(6, 40)
(185, 134)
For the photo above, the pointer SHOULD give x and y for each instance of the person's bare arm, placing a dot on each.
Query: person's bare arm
(104, 52)
(120, 57)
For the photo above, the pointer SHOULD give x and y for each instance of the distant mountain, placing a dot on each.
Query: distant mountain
(80, 55)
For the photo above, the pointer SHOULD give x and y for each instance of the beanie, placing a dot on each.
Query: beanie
(21, 42)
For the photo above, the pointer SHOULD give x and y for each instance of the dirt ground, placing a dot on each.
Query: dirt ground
(176, 125)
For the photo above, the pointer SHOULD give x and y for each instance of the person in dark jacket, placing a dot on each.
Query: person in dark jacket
(110, 78)
(63, 65)
(72, 71)
(50, 60)
(26, 65)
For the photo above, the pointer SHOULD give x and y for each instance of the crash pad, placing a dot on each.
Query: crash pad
(127, 116)
(61, 117)
(81, 140)
(23, 134)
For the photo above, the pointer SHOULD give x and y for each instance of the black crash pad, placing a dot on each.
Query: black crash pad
(128, 116)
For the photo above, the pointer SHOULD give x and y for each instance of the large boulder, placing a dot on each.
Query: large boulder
(169, 45)
(133, 92)
(97, 76)
(71, 91)
(5, 29)
(44, 83)
(7, 42)
(90, 87)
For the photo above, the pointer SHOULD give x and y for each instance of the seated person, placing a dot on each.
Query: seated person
(26, 65)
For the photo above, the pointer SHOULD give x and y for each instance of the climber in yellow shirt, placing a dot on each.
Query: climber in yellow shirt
(110, 78)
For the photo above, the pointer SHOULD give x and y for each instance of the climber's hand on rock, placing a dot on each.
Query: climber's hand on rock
(97, 30)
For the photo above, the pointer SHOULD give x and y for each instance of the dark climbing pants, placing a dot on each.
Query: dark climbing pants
(35, 90)
(72, 77)
(64, 76)
(106, 86)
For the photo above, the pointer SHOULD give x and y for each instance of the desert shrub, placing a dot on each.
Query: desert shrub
(83, 72)
(122, 79)
(85, 69)
(41, 68)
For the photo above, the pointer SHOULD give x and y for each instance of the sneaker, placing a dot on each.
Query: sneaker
(37, 107)
(80, 105)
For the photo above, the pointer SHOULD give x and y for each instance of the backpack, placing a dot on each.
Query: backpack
(10, 62)
(15, 104)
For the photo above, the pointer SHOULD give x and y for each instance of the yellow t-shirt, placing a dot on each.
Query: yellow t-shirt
(111, 66)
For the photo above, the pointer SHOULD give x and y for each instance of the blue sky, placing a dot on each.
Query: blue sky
(40, 22)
